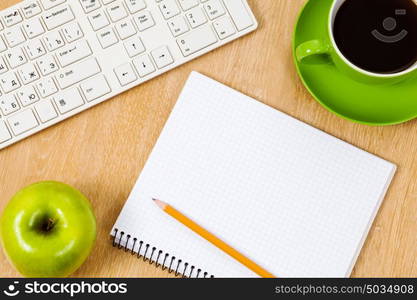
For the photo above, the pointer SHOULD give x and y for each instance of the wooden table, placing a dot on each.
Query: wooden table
(102, 151)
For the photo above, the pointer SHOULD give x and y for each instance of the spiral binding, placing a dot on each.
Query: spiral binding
(139, 247)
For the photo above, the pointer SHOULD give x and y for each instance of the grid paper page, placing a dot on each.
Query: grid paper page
(290, 197)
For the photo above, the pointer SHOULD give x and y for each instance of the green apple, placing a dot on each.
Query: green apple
(47, 230)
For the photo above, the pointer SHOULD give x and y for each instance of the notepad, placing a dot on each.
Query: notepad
(292, 198)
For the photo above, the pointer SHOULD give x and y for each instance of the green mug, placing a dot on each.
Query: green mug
(326, 45)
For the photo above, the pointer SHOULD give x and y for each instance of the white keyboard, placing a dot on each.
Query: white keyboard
(60, 57)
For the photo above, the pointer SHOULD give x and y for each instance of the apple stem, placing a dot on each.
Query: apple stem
(50, 224)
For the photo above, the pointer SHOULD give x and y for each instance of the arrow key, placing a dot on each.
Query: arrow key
(162, 57)
(125, 74)
(144, 65)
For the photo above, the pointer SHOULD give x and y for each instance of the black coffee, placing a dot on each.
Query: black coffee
(378, 35)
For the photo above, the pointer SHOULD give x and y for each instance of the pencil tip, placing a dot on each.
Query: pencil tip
(161, 204)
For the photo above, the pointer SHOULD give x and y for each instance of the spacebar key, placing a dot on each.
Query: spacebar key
(77, 73)
(197, 40)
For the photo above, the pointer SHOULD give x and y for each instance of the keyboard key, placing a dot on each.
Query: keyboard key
(72, 32)
(135, 5)
(196, 40)
(239, 14)
(68, 100)
(4, 133)
(47, 4)
(77, 73)
(169, 8)
(14, 36)
(53, 40)
(47, 65)
(8, 104)
(3, 67)
(31, 9)
(95, 88)
(12, 17)
(178, 26)
(90, 5)
(28, 73)
(107, 38)
(46, 111)
(57, 17)
(214, 9)
(144, 20)
(196, 17)
(162, 57)
(98, 20)
(134, 47)
(9, 82)
(144, 65)
(33, 28)
(107, 1)
(27, 95)
(3, 46)
(73, 53)
(125, 74)
(35, 49)
(16, 57)
(22, 122)
(224, 27)
(125, 29)
(117, 11)
(46, 87)
(187, 4)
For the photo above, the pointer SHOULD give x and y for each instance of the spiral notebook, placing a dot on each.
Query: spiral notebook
(292, 198)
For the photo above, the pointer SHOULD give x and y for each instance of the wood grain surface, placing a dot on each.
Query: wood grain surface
(102, 151)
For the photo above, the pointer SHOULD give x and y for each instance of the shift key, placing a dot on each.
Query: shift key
(77, 73)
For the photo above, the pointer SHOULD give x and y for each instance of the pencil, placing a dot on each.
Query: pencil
(213, 239)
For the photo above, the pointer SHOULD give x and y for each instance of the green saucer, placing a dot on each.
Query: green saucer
(352, 100)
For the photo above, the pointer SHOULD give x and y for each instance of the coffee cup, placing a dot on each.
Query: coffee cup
(370, 43)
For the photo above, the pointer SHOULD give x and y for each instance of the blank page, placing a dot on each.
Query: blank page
(292, 198)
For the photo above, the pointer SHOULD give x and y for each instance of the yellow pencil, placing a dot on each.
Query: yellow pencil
(213, 239)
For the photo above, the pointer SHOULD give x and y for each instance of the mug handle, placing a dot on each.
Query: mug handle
(313, 47)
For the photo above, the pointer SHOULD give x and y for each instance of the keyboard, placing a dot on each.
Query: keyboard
(61, 57)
